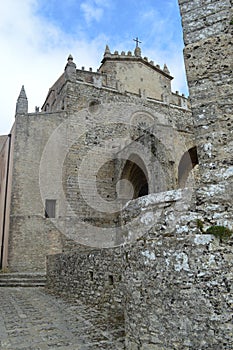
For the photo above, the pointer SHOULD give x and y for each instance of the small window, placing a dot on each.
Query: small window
(50, 208)
(91, 274)
(110, 280)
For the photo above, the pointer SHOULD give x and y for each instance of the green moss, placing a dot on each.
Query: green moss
(4, 270)
(200, 225)
(221, 232)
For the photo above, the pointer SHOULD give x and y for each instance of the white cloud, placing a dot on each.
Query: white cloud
(94, 9)
(91, 12)
(103, 3)
(33, 54)
(163, 46)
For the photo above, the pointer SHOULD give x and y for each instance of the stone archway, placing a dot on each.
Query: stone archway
(188, 161)
(134, 179)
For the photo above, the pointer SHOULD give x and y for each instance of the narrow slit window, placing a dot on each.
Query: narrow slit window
(110, 280)
(91, 274)
(50, 208)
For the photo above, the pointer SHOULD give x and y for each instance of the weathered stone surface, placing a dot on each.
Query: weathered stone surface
(3, 139)
(201, 20)
(93, 276)
(22, 103)
(179, 294)
(75, 152)
(175, 291)
(208, 59)
(168, 285)
(177, 284)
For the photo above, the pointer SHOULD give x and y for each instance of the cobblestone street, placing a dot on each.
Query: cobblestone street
(32, 319)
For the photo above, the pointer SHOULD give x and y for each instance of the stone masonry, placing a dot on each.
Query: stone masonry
(97, 135)
(177, 280)
(208, 58)
(170, 290)
(136, 179)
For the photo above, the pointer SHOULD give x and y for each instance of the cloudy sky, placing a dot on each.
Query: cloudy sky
(36, 37)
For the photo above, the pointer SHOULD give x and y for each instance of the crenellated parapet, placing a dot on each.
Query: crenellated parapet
(136, 56)
(125, 73)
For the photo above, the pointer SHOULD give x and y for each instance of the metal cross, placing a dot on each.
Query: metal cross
(137, 41)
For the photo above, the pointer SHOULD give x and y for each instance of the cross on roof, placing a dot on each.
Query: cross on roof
(137, 41)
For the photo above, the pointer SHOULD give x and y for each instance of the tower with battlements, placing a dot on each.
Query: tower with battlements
(98, 141)
(116, 160)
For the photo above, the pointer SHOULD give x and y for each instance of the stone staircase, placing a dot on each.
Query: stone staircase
(19, 279)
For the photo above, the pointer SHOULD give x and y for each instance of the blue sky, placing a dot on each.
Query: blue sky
(36, 37)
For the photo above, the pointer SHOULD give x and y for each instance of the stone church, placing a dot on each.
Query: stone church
(122, 189)
(100, 139)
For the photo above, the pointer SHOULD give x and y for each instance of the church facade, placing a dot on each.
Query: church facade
(100, 139)
(111, 159)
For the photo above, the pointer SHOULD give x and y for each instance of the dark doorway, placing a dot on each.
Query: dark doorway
(135, 172)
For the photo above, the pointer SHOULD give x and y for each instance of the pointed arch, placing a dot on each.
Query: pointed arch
(134, 171)
(188, 161)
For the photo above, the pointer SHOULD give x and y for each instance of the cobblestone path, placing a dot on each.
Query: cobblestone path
(32, 319)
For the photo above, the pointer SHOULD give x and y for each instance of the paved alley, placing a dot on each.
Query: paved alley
(32, 319)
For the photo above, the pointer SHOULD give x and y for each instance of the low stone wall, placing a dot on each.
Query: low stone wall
(170, 287)
(179, 294)
(93, 276)
(168, 292)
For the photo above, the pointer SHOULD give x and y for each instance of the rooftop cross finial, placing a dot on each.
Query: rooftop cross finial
(137, 41)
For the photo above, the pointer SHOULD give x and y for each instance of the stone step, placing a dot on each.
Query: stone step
(22, 279)
(21, 284)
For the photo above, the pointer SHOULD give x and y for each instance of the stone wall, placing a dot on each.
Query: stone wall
(176, 282)
(146, 216)
(69, 156)
(174, 286)
(70, 153)
(2, 140)
(179, 294)
(179, 287)
(4, 153)
(31, 235)
(136, 75)
(93, 276)
(208, 57)
(6, 170)
(97, 276)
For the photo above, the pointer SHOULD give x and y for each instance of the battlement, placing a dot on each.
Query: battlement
(132, 73)
(136, 57)
(117, 160)
(124, 73)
